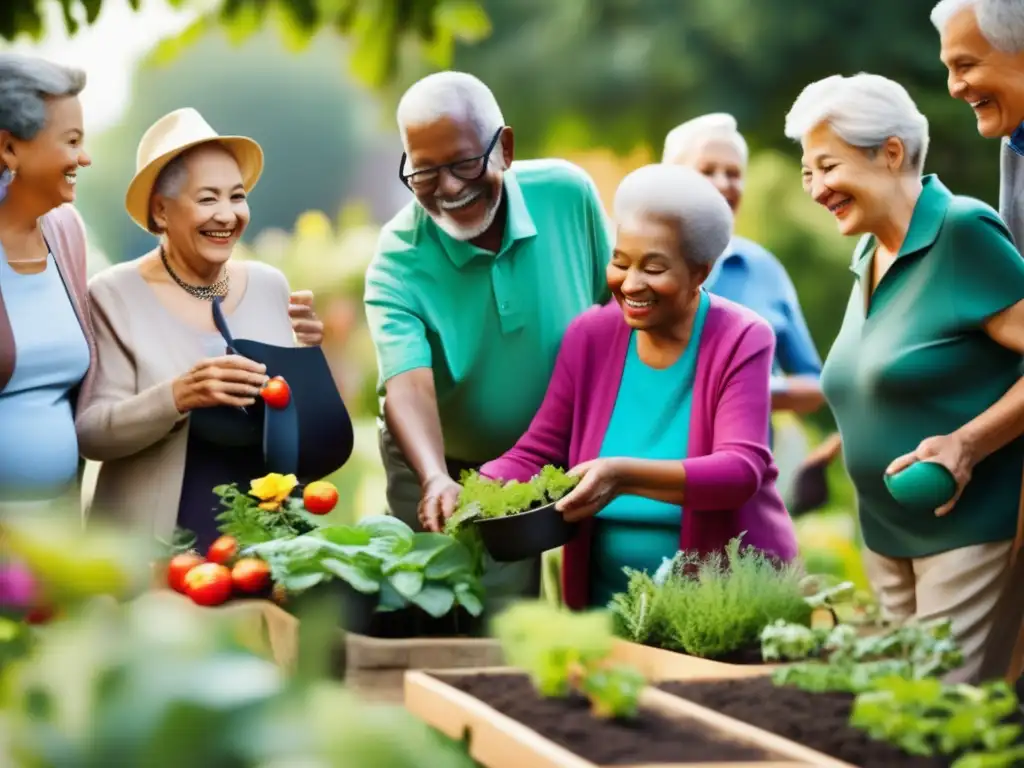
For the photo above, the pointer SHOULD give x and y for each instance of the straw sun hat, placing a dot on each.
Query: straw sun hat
(169, 137)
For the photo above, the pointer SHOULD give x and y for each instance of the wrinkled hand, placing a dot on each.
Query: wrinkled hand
(308, 328)
(948, 450)
(437, 502)
(599, 484)
(229, 380)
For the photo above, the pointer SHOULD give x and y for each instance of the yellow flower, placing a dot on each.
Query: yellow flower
(273, 489)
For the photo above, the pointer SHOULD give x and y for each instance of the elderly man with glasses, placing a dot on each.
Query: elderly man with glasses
(472, 287)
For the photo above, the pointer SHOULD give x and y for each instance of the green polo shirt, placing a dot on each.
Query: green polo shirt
(489, 325)
(914, 362)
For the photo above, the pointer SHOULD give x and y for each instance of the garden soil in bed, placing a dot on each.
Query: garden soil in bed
(651, 738)
(819, 721)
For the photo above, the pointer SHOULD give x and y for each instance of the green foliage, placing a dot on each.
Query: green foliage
(926, 717)
(563, 652)
(712, 606)
(119, 685)
(377, 29)
(846, 660)
(380, 555)
(243, 518)
(483, 497)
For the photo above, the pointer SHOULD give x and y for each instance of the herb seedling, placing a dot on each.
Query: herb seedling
(564, 652)
(483, 497)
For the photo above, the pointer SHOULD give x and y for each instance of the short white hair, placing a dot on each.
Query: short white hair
(455, 95)
(717, 125)
(864, 110)
(684, 197)
(1000, 21)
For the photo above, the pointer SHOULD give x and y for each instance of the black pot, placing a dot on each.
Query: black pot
(526, 535)
(358, 610)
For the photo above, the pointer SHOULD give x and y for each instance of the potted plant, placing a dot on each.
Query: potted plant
(515, 520)
(392, 581)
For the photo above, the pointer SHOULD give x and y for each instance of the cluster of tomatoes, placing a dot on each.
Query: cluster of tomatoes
(214, 579)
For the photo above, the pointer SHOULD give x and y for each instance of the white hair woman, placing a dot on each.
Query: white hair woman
(926, 366)
(659, 400)
(165, 374)
(749, 274)
(45, 334)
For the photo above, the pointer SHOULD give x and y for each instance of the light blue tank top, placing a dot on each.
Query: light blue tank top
(651, 420)
(38, 445)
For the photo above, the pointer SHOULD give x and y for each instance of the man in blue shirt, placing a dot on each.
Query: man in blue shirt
(749, 274)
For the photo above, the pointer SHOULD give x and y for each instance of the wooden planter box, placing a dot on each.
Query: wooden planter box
(657, 664)
(498, 741)
(376, 667)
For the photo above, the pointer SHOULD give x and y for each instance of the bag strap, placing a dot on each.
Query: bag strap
(222, 324)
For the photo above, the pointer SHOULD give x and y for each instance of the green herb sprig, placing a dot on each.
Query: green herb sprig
(563, 652)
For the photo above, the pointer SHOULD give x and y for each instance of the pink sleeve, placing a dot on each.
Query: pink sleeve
(546, 440)
(734, 471)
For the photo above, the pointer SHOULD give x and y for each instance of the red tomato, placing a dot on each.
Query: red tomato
(41, 614)
(208, 584)
(275, 393)
(179, 566)
(223, 550)
(320, 497)
(250, 575)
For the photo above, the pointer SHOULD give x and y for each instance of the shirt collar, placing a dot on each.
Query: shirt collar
(925, 223)
(1017, 140)
(519, 226)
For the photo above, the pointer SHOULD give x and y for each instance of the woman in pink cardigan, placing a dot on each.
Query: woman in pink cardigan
(659, 401)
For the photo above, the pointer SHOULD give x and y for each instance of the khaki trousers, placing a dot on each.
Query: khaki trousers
(503, 583)
(964, 585)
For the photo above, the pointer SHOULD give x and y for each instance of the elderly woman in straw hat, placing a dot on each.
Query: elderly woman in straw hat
(162, 361)
(45, 334)
(926, 366)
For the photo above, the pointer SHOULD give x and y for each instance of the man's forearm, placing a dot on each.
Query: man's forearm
(410, 410)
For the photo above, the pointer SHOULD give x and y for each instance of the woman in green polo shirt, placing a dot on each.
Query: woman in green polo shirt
(927, 364)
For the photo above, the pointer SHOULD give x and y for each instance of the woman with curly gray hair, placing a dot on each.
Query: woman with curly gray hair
(46, 340)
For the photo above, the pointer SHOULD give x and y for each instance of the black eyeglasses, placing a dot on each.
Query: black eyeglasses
(470, 169)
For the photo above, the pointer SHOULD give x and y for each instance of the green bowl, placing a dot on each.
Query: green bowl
(924, 486)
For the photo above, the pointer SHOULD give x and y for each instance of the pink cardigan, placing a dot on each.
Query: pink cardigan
(730, 472)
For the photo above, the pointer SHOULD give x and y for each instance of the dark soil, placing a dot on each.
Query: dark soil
(651, 738)
(819, 721)
(749, 655)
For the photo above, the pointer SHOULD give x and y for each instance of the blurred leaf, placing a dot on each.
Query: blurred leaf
(465, 19)
(92, 10)
(169, 49)
(241, 19)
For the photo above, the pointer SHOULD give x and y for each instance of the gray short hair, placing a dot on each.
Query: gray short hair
(455, 95)
(684, 197)
(864, 110)
(1000, 21)
(685, 137)
(26, 83)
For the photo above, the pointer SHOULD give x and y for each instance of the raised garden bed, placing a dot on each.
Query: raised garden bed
(819, 721)
(657, 664)
(510, 725)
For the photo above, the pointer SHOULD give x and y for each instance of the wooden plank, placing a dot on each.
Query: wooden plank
(364, 652)
(659, 665)
(498, 741)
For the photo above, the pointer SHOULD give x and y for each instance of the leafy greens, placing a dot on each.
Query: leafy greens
(380, 555)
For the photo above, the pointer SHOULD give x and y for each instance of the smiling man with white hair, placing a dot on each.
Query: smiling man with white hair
(926, 365)
(470, 291)
(983, 51)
